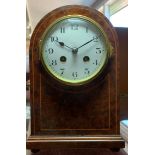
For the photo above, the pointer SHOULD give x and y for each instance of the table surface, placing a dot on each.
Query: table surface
(77, 152)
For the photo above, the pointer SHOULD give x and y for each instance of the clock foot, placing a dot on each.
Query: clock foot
(35, 150)
(115, 149)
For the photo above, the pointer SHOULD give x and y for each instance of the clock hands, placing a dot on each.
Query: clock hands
(75, 50)
(87, 42)
(62, 44)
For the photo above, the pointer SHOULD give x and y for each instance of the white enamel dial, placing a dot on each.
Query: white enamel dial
(73, 50)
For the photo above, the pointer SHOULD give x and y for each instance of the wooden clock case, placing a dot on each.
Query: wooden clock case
(81, 117)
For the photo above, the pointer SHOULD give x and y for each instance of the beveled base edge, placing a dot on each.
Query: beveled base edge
(46, 142)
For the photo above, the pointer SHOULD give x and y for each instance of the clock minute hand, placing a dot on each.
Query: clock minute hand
(62, 44)
(87, 43)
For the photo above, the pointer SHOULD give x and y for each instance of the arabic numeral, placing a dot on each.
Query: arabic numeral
(86, 71)
(62, 29)
(75, 74)
(75, 27)
(53, 63)
(62, 71)
(95, 63)
(98, 50)
(54, 39)
(50, 50)
(95, 39)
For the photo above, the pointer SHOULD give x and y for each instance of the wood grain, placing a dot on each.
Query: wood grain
(92, 112)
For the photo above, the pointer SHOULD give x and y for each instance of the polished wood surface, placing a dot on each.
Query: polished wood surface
(122, 33)
(77, 152)
(74, 119)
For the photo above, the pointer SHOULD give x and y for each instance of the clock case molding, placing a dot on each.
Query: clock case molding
(74, 118)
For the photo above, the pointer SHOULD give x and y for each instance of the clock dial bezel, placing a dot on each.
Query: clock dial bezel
(58, 78)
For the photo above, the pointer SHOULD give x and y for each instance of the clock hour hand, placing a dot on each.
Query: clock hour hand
(62, 44)
(87, 42)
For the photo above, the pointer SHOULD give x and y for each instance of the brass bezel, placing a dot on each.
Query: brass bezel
(109, 49)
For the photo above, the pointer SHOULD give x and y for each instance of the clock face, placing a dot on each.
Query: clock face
(74, 50)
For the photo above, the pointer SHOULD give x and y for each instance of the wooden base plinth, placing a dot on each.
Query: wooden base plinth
(47, 142)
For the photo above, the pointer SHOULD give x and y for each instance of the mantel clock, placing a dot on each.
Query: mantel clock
(74, 75)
